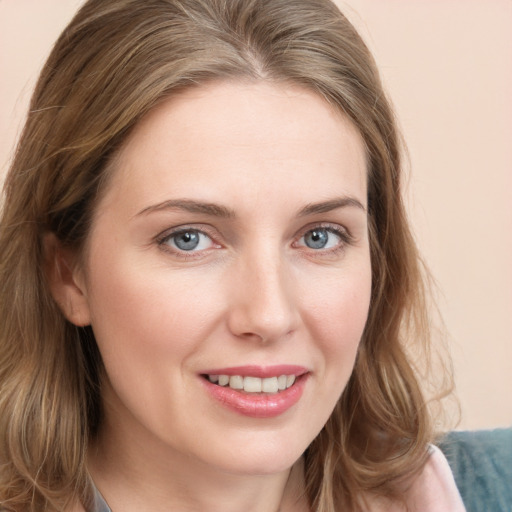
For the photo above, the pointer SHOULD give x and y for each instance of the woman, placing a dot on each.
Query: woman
(207, 276)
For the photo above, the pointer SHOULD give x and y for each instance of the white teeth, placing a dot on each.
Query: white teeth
(236, 382)
(269, 385)
(223, 380)
(281, 382)
(254, 384)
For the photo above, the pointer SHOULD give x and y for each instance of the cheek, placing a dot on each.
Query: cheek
(143, 317)
(338, 314)
(336, 318)
(149, 326)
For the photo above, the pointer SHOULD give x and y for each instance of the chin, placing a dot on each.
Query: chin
(259, 457)
(262, 466)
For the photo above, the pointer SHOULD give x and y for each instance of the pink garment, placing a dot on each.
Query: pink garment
(434, 490)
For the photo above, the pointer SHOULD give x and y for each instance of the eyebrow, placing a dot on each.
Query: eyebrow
(216, 210)
(331, 204)
(191, 206)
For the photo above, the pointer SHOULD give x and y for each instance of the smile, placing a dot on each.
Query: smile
(255, 391)
(251, 384)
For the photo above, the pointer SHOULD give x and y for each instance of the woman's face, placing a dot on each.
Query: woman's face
(230, 245)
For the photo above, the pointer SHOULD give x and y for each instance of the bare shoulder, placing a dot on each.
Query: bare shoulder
(432, 490)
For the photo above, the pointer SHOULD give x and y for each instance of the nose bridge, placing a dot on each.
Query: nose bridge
(264, 305)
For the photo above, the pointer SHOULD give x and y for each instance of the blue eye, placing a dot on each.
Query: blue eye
(189, 240)
(321, 238)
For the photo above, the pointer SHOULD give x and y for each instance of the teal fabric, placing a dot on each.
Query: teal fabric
(481, 462)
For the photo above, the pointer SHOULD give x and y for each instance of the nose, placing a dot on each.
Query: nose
(263, 305)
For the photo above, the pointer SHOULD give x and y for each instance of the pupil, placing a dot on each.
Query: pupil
(316, 239)
(187, 241)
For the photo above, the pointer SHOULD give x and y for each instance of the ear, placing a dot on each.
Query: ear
(66, 281)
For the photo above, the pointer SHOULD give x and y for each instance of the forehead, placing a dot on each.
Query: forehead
(230, 137)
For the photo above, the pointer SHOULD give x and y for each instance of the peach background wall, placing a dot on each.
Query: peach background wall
(448, 68)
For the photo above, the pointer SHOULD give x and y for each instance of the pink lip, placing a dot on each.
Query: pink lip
(258, 405)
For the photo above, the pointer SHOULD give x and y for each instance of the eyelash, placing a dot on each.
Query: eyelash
(163, 240)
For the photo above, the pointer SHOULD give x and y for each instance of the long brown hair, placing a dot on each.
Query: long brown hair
(116, 61)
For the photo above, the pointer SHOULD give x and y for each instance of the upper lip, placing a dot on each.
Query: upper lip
(259, 371)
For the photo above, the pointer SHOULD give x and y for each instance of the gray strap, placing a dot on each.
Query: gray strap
(100, 505)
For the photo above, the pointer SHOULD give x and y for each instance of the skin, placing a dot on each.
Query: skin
(253, 292)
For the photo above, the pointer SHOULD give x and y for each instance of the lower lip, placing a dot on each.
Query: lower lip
(258, 405)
